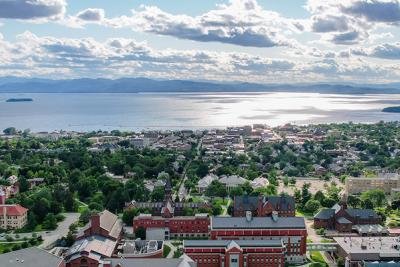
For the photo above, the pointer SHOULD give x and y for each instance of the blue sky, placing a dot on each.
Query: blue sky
(230, 40)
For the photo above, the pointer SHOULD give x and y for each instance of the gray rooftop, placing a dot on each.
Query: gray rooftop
(181, 262)
(257, 223)
(29, 257)
(225, 243)
(370, 248)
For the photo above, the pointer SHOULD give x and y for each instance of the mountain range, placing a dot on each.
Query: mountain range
(143, 85)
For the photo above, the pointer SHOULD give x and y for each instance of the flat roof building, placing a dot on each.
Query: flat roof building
(356, 250)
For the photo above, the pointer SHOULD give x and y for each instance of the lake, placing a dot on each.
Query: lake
(87, 112)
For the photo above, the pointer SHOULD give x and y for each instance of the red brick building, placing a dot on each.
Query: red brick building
(262, 206)
(104, 224)
(175, 227)
(239, 253)
(291, 230)
(343, 220)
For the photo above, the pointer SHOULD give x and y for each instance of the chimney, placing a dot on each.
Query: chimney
(275, 216)
(95, 222)
(2, 197)
(249, 216)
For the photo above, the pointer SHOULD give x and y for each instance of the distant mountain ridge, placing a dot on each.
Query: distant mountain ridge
(143, 85)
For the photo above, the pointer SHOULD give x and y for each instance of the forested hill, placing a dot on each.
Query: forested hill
(141, 85)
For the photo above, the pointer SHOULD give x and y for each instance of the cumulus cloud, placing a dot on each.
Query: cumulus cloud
(351, 21)
(31, 55)
(384, 51)
(32, 9)
(240, 22)
(91, 14)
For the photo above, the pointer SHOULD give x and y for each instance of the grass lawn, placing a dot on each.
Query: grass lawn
(317, 257)
(166, 250)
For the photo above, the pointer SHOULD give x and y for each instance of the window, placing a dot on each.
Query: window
(234, 260)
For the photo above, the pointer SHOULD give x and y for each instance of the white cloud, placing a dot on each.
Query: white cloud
(384, 51)
(240, 22)
(351, 21)
(32, 9)
(32, 55)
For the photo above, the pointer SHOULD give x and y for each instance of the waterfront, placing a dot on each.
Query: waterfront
(86, 112)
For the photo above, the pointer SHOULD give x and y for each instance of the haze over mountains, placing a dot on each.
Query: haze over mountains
(143, 85)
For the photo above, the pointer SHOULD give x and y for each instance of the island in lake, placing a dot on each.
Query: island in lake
(19, 100)
(392, 109)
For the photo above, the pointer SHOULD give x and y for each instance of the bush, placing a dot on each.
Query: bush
(6, 250)
(32, 241)
(25, 245)
(16, 247)
(320, 231)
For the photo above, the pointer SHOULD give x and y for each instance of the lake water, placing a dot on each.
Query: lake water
(86, 112)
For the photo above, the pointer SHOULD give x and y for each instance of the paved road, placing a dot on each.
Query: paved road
(49, 238)
(182, 192)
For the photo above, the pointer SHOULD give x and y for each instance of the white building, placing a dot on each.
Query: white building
(232, 181)
(205, 182)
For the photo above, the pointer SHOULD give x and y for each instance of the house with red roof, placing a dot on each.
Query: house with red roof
(13, 216)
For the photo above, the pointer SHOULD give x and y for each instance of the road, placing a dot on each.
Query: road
(50, 237)
(182, 192)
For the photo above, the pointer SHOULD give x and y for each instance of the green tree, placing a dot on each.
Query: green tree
(140, 232)
(50, 222)
(376, 196)
(10, 131)
(312, 206)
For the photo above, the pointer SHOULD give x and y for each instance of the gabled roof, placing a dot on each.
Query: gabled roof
(250, 203)
(362, 213)
(325, 214)
(13, 210)
(109, 222)
(95, 245)
(343, 220)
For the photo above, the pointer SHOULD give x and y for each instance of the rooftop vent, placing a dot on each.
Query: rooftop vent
(275, 216)
(249, 216)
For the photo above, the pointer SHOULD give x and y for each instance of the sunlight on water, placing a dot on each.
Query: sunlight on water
(191, 110)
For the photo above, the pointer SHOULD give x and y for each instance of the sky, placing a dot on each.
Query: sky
(264, 41)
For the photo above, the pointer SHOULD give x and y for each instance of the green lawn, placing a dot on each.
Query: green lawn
(166, 251)
(317, 257)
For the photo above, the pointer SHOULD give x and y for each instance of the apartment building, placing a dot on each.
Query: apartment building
(386, 182)
(13, 216)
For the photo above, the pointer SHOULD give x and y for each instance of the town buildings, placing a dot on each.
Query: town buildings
(175, 208)
(346, 220)
(264, 205)
(291, 230)
(357, 251)
(235, 253)
(386, 182)
(11, 216)
(166, 227)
